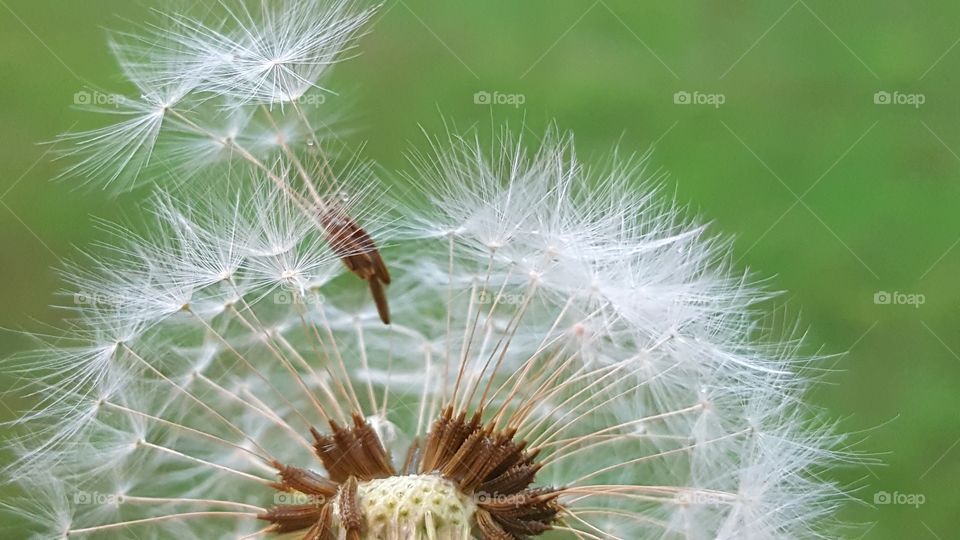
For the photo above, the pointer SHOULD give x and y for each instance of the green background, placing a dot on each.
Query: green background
(834, 196)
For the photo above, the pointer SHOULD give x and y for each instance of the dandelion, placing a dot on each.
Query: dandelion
(563, 355)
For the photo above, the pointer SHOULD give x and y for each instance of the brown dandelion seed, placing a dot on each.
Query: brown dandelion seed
(359, 254)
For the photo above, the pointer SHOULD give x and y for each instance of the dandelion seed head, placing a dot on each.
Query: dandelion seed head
(561, 350)
(621, 396)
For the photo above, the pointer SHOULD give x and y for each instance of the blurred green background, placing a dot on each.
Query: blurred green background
(839, 193)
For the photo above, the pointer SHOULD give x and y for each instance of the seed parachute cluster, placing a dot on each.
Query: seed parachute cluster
(559, 354)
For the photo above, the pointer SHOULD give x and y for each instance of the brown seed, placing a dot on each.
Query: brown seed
(351, 515)
(292, 517)
(304, 481)
(323, 528)
(489, 527)
(359, 254)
